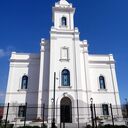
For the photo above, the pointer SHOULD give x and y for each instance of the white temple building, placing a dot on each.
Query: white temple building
(64, 62)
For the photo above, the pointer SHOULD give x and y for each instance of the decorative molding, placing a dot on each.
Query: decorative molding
(53, 38)
(64, 87)
(64, 60)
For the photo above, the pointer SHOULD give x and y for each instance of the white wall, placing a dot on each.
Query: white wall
(23, 64)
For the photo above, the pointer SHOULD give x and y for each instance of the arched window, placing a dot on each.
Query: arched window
(64, 21)
(102, 82)
(24, 83)
(65, 75)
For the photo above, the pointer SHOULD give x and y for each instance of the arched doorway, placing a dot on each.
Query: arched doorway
(66, 110)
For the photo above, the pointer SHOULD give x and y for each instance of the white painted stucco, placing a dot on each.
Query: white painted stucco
(84, 68)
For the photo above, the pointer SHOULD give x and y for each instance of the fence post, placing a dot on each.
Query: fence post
(25, 114)
(64, 118)
(127, 110)
(60, 124)
(112, 114)
(53, 120)
(78, 114)
(6, 120)
(43, 113)
(91, 107)
(60, 117)
(95, 115)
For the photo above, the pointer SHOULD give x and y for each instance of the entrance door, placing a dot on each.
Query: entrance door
(66, 110)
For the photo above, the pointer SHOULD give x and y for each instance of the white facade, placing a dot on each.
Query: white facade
(63, 50)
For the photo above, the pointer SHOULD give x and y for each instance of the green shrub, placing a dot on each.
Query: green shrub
(45, 126)
(25, 127)
(109, 126)
(29, 127)
(88, 126)
(35, 127)
(8, 125)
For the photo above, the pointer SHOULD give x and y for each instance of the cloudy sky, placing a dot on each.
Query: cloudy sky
(104, 23)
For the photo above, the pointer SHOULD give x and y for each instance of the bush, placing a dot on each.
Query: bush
(45, 126)
(108, 126)
(35, 127)
(88, 126)
(29, 127)
(8, 125)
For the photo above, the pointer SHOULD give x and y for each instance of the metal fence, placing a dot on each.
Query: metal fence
(62, 116)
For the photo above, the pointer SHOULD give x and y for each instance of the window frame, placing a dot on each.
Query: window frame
(68, 78)
(61, 53)
(21, 111)
(105, 109)
(24, 86)
(102, 87)
(64, 21)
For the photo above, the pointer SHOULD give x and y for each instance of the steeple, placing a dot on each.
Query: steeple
(63, 15)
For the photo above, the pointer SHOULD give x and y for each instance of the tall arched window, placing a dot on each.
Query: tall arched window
(64, 21)
(65, 77)
(24, 83)
(102, 82)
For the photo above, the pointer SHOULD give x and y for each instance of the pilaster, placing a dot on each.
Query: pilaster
(40, 89)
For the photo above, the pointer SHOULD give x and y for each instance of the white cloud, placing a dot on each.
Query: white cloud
(6, 52)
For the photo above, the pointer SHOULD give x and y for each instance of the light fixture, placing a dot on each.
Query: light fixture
(91, 99)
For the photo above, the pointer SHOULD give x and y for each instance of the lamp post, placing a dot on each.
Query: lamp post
(53, 113)
(53, 102)
(91, 107)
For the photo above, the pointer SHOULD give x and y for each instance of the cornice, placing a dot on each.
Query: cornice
(63, 9)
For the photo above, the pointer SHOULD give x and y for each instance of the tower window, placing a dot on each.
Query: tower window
(65, 75)
(102, 82)
(64, 21)
(24, 83)
(105, 109)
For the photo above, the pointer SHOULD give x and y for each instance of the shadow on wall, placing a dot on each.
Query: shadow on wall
(33, 85)
(32, 89)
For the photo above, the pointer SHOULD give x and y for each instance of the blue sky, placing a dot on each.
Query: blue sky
(104, 23)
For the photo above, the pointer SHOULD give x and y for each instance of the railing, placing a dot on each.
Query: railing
(88, 115)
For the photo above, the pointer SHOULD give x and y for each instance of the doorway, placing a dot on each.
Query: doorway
(66, 110)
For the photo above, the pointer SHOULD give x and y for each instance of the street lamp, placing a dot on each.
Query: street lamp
(91, 107)
(91, 99)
